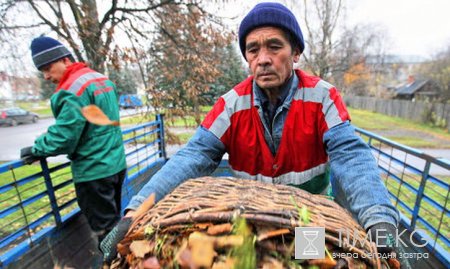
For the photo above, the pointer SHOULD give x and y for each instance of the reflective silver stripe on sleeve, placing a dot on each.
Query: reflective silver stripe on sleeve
(220, 124)
(79, 82)
(329, 109)
(321, 94)
(294, 178)
(233, 104)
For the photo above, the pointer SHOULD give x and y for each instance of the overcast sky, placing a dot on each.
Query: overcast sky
(414, 27)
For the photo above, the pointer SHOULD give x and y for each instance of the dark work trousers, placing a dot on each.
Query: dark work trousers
(99, 200)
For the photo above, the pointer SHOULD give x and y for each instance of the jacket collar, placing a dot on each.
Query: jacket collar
(70, 69)
(291, 87)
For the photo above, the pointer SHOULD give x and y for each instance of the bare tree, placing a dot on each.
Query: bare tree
(88, 26)
(321, 18)
(12, 36)
(438, 69)
(346, 56)
(359, 54)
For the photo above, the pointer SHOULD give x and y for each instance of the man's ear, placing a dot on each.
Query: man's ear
(67, 61)
(296, 55)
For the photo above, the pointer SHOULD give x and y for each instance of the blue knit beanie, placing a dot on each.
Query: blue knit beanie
(270, 14)
(45, 50)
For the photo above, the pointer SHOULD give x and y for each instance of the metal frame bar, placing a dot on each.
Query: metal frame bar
(421, 197)
(20, 241)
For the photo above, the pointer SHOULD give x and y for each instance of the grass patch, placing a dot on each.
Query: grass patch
(414, 142)
(137, 119)
(42, 108)
(147, 138)
(367, 120)
(23, 195)
(43, 112)
(187, 121)
(376, 121)
(205, 109)
(184, 137)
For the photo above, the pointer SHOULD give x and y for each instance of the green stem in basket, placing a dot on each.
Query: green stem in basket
(244, 254)
(303, 213)
(328, 254)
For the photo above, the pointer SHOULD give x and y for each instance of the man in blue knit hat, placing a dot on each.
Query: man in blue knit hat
(97, 152)
(281, 126)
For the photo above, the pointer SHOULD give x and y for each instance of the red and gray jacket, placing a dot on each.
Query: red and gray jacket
(315, 107)
(312, 117)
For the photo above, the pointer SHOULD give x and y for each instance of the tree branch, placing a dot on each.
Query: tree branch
(109, 15)
(149, 8)
(43, 18)
(17, 27)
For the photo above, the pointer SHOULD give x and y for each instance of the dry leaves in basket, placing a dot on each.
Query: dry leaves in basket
(233, 223)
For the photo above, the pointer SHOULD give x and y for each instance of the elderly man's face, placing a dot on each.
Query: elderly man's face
(270, 56)
(54, 71)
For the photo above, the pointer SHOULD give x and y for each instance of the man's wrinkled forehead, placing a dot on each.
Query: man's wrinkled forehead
(266, 35)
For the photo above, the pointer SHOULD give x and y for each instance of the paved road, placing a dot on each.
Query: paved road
(415, 162)
(12, 139)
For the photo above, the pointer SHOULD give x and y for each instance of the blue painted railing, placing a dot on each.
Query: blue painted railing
(419, 186)
(36, 200)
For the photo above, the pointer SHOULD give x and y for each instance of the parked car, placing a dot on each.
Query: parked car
(129, 101)
(15, 115)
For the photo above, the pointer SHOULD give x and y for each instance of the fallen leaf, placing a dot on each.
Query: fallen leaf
(95, 115)
(270, 234)
(228, 241)
(123, 249)
(140, 247)
(219, 229)
(151, 263)
(393, 263)
(202, 249)
(184, 257)
(323, 263)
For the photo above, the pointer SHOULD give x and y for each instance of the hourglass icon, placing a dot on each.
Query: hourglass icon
(310, 236)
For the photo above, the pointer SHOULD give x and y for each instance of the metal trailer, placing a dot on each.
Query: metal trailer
(41, 225)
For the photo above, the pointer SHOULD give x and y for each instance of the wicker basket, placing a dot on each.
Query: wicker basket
(206, 209)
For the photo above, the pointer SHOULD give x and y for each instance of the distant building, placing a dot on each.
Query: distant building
(14, 88)
(5, 87)
(395, 68)
(417, 89)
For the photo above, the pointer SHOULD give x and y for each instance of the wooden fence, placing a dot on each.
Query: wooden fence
(416, 111)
